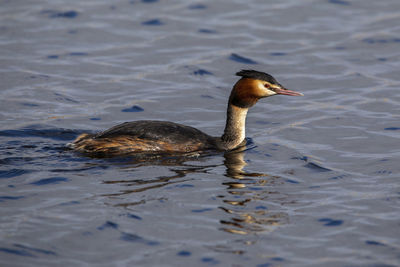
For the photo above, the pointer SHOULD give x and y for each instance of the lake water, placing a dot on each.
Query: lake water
(318, 184)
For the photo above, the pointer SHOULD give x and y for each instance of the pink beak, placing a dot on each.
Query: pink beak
(284, 91)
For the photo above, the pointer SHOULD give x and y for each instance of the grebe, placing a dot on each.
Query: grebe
(148, 136)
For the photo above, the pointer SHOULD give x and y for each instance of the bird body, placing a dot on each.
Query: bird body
(149, 136)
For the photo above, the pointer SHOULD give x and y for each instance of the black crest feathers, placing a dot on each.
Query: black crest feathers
(258, 75)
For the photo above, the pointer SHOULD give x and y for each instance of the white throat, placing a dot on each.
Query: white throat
(235, 129)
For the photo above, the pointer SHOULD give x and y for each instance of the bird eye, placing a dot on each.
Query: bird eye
(267, 85)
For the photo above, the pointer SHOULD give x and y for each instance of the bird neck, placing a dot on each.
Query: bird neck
(235, 129)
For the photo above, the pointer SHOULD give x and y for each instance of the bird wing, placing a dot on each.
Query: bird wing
(163, 131)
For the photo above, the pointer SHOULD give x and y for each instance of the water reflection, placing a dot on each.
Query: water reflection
(146, 184)
(242, 191)
(242, 200)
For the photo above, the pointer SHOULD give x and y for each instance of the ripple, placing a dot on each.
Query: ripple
(340, 2)
(133, 109)
(202, 72)
(241, 59)
(184, 253)
(330, 222)
(153, 22)
(38, 131)
(13, 173)
(71, 14)
(3, 198)
(108, 224)
(52, 180)
(18, 252)
(314, 167)
(197, 6)
(137, 239)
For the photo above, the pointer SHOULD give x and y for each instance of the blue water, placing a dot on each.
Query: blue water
(317, 185)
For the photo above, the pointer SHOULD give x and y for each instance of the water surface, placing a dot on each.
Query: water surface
(317, 185)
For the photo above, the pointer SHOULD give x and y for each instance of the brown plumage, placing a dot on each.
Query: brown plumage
(168, 137)
(144, 137)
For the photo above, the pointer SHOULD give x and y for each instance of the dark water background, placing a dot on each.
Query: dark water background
(317, 186)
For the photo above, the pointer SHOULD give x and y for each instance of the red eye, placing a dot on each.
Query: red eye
(267, 85)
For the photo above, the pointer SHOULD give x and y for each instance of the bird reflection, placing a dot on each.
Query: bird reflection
(178, 164)
(240, 195)
(240, 201)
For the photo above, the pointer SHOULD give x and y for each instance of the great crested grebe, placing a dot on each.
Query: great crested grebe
(148, 136)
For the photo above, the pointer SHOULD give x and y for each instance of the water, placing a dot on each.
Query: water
(318, 184)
